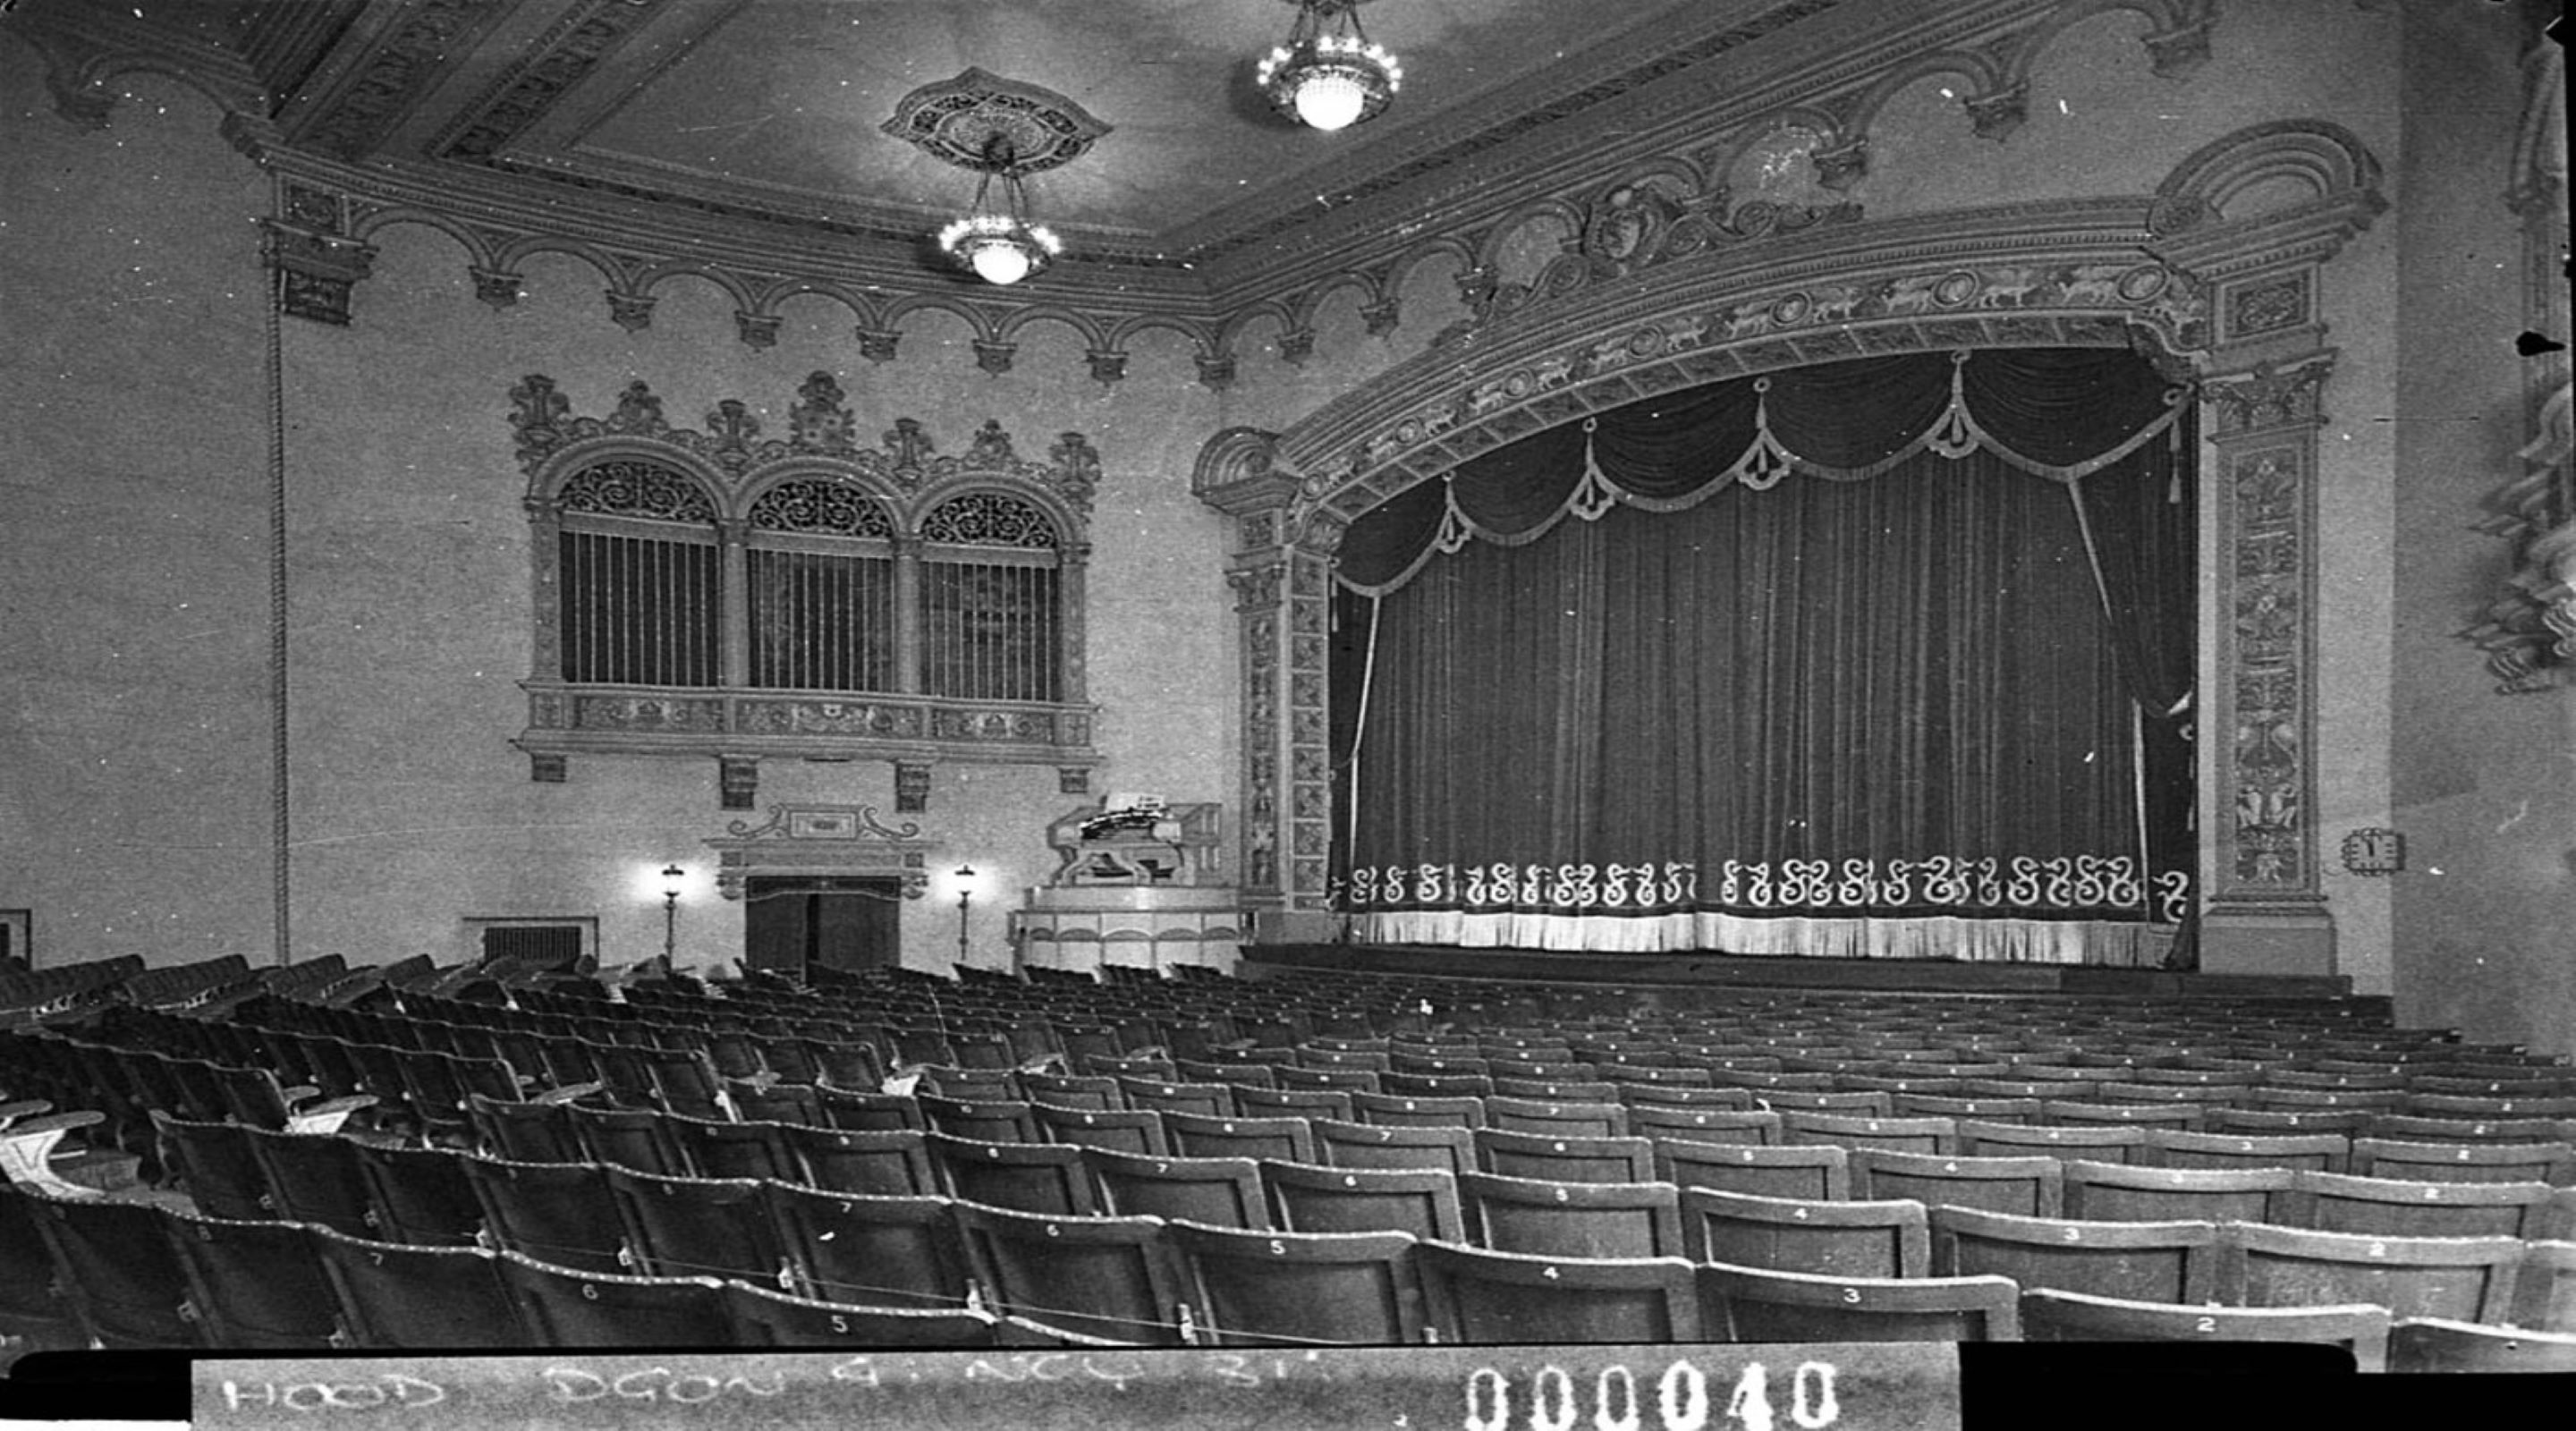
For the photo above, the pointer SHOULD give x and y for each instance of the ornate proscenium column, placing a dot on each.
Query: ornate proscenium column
(2264, 265)
(2267, 905)
(1284, 824)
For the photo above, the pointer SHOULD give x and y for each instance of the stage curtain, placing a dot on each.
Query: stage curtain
(1888, 657)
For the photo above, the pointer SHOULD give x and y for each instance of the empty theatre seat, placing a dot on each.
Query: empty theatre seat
(1113, 1278)
(2140, 1261)
(1573, 1219)
(1473, 1295)
(1043, 1178)
(2052, 1316)
(1753, 1305)
(2468, 1279)
(1565, 1158)
(1216, 1192)
(1421, 1202)
(1828, 1238)
(1281, 1288)
(116, 1269)
(2028, 1186)
(392, 1296)
(1821, 1172)
(558, 1212)
(2117, 1192)
(1200, 1135)
(254, 1284)
(1126, 1130)
(2396, 1207)
(695, 1227)
(870, 1251)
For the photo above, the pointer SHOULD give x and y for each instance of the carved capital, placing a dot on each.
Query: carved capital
(630, 311)
(757, 330)
(1380, 318)
(2270, 396)
(1296, 345)
(1107, 364)
(1257, 586)
(497, 288)
(1999, 115)
(877, 344)
(2179, 52)
(316, 269)
(995, 358)
(1216, 370)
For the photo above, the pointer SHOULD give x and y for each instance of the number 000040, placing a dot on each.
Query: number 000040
(1678, 1400)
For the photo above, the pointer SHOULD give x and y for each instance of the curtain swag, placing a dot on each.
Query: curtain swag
(1821, 419)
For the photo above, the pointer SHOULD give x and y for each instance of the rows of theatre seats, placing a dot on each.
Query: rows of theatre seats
(1325, 1161)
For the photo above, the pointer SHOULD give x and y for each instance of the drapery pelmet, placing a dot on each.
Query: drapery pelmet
(1883, 657)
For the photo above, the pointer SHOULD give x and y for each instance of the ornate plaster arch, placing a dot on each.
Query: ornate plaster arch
(2228, 302)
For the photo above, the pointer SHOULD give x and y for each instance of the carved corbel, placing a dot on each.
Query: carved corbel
(1999, 115)
(495, 287)
(1841, 166)
(316, 269)
(630, 311)
(737, 781)
(2179, 52)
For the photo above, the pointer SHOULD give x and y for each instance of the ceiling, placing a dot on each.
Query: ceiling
(776, 108)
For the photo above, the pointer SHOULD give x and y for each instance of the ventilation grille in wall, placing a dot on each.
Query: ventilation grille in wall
(536, 943)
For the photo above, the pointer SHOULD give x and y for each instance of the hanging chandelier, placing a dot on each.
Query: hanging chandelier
(995, 240)
(1328, 74)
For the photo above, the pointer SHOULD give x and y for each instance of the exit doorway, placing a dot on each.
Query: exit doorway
(794, 922)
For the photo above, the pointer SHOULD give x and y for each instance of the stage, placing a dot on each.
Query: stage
(1720, 971)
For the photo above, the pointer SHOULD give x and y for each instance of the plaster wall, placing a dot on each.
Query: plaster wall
(2484, 784)
(134, 633)
(135, 779)
(135, 809)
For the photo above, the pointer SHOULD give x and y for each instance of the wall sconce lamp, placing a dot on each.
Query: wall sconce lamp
(674, 879)
(965, 878)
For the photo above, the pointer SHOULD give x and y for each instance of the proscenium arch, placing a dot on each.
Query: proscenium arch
(2158, 273)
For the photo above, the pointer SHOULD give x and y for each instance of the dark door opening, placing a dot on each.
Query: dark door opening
(791, 922)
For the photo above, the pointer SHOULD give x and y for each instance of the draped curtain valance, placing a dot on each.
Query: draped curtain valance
(1942, 712)
(2061, 414)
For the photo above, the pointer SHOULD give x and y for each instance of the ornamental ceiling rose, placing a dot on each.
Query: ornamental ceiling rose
(959, 121)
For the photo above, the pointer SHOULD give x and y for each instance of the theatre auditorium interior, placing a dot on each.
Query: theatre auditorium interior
(1291, 673)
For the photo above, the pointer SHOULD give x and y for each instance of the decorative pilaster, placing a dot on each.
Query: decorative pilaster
(2263, 426)
(1310, 757)
(1234, 476)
